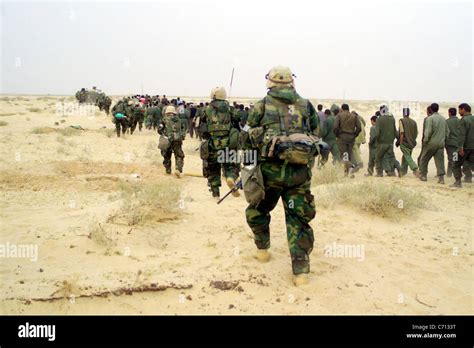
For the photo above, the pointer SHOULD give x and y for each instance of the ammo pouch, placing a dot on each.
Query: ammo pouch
(234, 139)
(163, 143)
(204, 150)
(297, 148)
(252, 184)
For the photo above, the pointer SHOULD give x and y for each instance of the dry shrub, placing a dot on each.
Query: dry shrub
(3, 123)
(150, 202)
(328, 174)
(43, 130)
(99, 234)
(34, 109)
(7, 114)
(67, 132)
(383, 199)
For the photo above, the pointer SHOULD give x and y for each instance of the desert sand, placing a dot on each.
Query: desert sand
(63, 191)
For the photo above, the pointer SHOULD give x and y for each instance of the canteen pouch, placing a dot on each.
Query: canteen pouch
(252, 184)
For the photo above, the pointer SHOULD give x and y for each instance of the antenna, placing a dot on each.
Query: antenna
(231, 80)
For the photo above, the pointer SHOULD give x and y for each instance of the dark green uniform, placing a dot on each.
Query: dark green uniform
(153, 117)
(466, 142)
(372, 150)
(290, 182)
(328, 136)
(453, 142)
(136, 117)
(409, 128)
(346, 127)
(172, 128)
(221, 136)
(435, 133)
(385, 133)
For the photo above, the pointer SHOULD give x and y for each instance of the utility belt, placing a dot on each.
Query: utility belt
(296, 148)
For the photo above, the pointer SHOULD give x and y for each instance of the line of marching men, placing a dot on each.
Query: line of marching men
(344, 132)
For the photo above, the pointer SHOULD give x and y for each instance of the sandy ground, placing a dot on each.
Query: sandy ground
(54, 188)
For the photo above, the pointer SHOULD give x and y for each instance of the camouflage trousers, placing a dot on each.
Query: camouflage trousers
(176, 148)
(371, 165)
(213, 168)
(291, 183)
(120, 123)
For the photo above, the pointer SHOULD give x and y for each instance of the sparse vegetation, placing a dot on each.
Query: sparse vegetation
(328, 174)
(383, 199)
(67, 132)
(34, 109)
(43, 130)
(148, 202)
(7, 114)
(3, 123)
(100, 235)
(5, 99)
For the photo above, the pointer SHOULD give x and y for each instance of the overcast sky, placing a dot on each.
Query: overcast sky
(384, 50)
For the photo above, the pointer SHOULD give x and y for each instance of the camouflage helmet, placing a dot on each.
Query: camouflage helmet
(170, 110)
(334, 109)
(218, 93)
(279, 76)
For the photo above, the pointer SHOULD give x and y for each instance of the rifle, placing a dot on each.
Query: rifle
(238, 186)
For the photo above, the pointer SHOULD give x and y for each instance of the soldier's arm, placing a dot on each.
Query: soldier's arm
(428, 129)
(256, 115)
(372, 136)
(462, 135)
(336, 126)
(313, 119)
(358, 128)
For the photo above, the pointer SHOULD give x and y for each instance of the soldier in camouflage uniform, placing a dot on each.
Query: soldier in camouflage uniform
(153, 116)
(136, 116)
(220, 131)
(171, 126)
(119, 117)
(385, 134)
(347, 127)
(283, 111)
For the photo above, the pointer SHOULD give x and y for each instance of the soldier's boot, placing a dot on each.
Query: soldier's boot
(168, 171)
(417, 173)
(179, 174)
(263, 255)
(215, 192)
(423, 177)
(457, 183)
(301, 279)
(231, 183)
(441, 179)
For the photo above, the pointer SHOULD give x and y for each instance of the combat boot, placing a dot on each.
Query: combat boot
(179, 174)
(263, 255)
(168, 171)
(441, 179)
(423, 178)
(417, 173)
(457, 183)
(301, 279)
(215, 192)
(231, 183)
